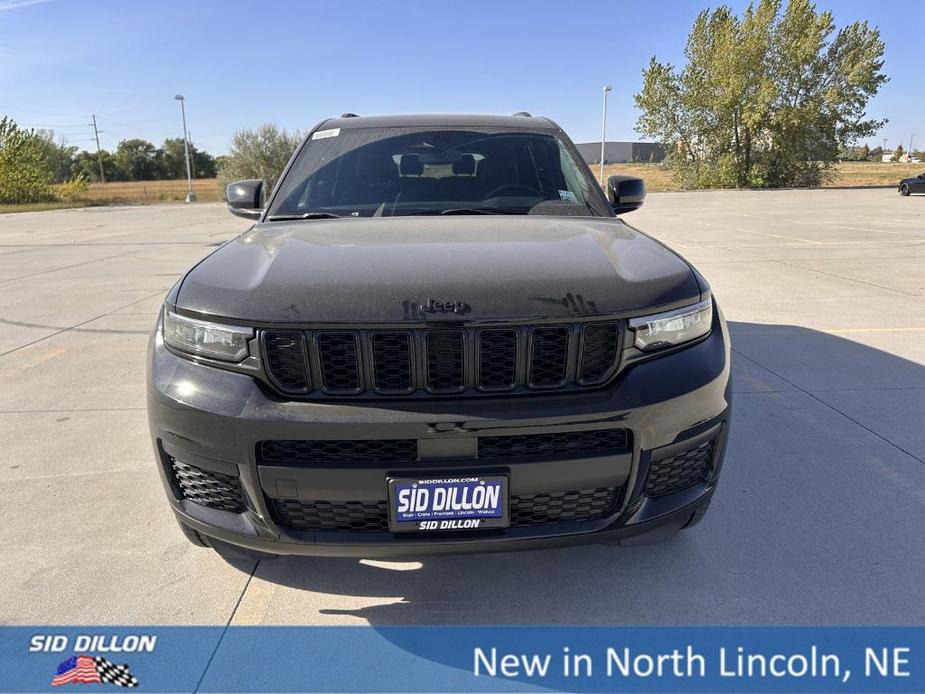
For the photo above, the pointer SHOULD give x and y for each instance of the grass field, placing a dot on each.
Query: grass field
(851, 174)
(143, 192)
(658, 178)
(129, 193)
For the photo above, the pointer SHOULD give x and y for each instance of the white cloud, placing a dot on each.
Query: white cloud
(16, 4)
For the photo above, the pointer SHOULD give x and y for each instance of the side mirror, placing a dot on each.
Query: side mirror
(246, 198)
(625, 193)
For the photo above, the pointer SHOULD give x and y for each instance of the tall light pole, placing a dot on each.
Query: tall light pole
(606, 89)
(911, 140)
(190, 196)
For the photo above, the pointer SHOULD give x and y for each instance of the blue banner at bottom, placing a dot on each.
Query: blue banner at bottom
(462, 659)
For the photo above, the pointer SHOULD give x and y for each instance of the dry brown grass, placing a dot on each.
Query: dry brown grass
(863, 173)
(657, 177)
(144, 192)
(851, 174)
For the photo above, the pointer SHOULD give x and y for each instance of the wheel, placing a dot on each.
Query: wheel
(904, 189)
(698, 515)
(194, 537)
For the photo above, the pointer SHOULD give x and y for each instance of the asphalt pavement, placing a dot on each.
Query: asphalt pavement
(819, 518)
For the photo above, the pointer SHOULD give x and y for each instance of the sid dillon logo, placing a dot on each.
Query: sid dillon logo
(92, 669)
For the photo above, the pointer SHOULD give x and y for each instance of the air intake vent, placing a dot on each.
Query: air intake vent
(599, 352)
(497, 359)
(550, 357)
(208, 488)
(392, 362)
(445, 361)
(593, 442)
(678, 472)
(340, 367)
(286, 359)
(356, 451)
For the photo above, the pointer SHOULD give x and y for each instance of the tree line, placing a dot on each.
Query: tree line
(134, 159)
(35, 166)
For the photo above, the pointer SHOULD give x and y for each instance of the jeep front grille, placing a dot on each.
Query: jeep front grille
(442, 361)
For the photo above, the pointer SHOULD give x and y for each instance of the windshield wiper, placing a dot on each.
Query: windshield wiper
(478, 210)
(306, 215)
(462, 210)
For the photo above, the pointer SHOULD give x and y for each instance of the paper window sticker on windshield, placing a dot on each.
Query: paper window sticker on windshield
(568, 195)
(321, 134)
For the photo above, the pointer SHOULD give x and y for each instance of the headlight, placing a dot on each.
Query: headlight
(205, 339)
(673, 327)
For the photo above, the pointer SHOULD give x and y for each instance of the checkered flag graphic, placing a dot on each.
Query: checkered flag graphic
(110, 673)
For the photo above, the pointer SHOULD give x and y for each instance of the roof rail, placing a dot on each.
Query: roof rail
(349, 115)
(525, 114)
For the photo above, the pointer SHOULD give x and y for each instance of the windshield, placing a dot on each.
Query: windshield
(384, 172)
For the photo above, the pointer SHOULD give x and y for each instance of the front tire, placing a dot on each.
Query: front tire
(904, 189)
(697, 515)
(194, 537)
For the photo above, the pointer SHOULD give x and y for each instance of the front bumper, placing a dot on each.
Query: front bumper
(214, 421)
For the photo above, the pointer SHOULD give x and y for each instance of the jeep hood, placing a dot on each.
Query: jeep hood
(373, 270)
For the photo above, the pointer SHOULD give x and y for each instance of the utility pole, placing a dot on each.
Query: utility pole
(99, 153)
(190, 196)
(606, 89)
(911, 140)
(884, 145)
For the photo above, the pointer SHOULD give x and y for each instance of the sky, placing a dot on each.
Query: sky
(241, 64)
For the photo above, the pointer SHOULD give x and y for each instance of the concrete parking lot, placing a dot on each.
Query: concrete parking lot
(820, 518)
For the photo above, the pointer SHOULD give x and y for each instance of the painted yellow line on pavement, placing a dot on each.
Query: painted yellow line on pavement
(48, 356)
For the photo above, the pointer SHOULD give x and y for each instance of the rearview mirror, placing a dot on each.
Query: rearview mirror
(625, 193)
(246, 198)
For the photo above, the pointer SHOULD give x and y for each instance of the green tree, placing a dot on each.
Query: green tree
(172, 158)
(204, 165)
(765, 99)
(86, 165)
(864, 153)
(58, 154)
(261, 153)
(137, 160)
(898, 153)
(876, 154)
(25, 175)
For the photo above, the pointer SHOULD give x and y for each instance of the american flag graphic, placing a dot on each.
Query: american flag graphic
(85, 669)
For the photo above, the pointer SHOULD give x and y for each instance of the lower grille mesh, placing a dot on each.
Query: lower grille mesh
(678, 472)
(373, 516)
(561, 507)
(208, 488)
(360, 450)
(343, 516)
(566, 443)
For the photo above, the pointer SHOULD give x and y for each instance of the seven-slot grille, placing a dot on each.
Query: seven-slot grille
(442, 361)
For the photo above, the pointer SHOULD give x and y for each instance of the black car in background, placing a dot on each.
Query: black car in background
(915, 184)
(438, 336)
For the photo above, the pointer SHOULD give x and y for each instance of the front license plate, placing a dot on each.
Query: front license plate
(448, 503)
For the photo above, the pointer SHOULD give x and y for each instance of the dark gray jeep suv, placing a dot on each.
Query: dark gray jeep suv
(438, 336)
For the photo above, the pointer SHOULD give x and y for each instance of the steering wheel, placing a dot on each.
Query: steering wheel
(512, 186)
